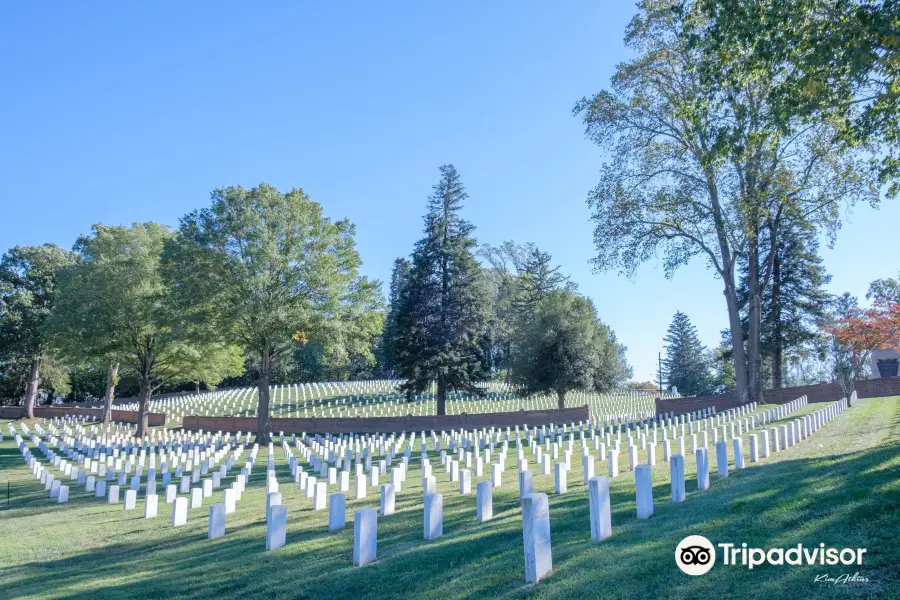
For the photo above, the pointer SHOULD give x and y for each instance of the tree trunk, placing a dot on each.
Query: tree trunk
(111, 375)
(262, 417)
(196, 387)
(737, 340)
(441, 397)
(34, 381)
(754, 318)
(777, 326)
(560, 399)
(143, 402)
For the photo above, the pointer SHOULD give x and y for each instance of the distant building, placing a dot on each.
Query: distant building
(885, 363)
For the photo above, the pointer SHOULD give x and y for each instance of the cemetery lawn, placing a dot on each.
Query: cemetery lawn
(841, 487)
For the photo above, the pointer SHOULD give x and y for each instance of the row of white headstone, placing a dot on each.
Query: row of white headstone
(432, 502)
(535, 506)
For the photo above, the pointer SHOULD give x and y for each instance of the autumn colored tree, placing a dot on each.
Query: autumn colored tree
(858, 333)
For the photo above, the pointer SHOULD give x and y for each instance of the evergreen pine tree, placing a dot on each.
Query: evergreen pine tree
(795, 303)
(442, 311)
(387, 358)
(686, 365)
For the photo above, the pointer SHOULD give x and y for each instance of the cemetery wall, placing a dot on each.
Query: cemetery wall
(47, 412)
(392, 424)
(826, 392)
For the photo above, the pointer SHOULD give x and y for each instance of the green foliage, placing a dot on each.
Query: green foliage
(517, 278)
(564, 347)
(703, 163)
(387, 359)
(795, 303)
(213, 362)
(883, 291)
(686, 364)
(442, 316)
(88, 383)
(114, 307)
(268, 271)
(613, 370)
(839, 60)
(723, 369)
(28, 292)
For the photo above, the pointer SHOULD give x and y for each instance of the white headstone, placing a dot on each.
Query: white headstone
(484, 501)
(216, 521)
(676, 465)
(387, 499)
(434, 516)
(738, 453)
(536, 534)
(600, 513)
(643, 488)
(276, 527)
(559, 478)
(722, 459)
(179, 511)
(702, 469)
(337, 512)
(151, 503)
(365, 536)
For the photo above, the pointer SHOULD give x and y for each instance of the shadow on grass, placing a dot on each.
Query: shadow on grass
(827, 499)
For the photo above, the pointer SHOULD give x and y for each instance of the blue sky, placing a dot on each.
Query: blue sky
(120, 112)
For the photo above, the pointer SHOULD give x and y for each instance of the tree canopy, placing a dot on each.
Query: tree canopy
(702, 164)
(115, 308)
(441, 321)
(28, 293)
(564, 347)
(687, 362)
(267, 270)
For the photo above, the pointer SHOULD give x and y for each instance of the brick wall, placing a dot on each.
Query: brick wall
(826, 392)
(393, 424)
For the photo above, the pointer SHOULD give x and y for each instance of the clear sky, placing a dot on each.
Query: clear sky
(121, 112)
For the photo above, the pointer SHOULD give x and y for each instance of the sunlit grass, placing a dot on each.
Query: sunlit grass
(839, 487)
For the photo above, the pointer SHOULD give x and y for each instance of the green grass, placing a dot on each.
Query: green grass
(840, 487)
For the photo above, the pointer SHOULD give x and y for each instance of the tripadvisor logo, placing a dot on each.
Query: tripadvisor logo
(696, 555)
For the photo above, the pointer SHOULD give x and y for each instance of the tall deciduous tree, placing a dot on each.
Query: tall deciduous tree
(686, 364)
(268, 270)
(564, 347)
(442, 317)
(115, 309)
(704, 165)
(28, 292)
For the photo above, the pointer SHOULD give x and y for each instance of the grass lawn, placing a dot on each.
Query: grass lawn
(841, 487)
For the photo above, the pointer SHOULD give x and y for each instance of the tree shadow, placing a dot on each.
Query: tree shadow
(830, 499)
